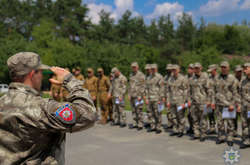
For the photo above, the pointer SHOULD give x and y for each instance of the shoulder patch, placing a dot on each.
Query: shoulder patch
(66, 114)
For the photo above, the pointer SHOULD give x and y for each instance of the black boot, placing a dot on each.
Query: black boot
(202, 139)
(173, 134)
(230, 143)
(122, 125)
(218, 141)
(158, 131)
(180, 135)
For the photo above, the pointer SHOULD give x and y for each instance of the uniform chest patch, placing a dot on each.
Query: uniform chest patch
(66, 114)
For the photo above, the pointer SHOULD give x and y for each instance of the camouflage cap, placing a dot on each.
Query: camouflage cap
(78, 68)
(169, 66)
(154, 66)
(191, 66)
(23, 63)
(224, 64)
(147, 66)
(115, 69)
(212, 67)
(100, 70)
(175, 66)
(134, 64)
(197, 65)
(246, 65)
(238, 68)
(90, 70)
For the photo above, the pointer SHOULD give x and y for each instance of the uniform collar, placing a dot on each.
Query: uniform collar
(24, 88)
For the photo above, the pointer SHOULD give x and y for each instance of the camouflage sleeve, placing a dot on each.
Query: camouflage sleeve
(123, 88)
(234, 92)
(166, 91)
(111, 88)
(141, 89)
(161, 86)
(107, 82)
(237, 97)
(189, 90)
(129, 87)
(185, 89)
(77, 114)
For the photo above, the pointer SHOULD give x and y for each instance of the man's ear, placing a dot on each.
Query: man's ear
(30, 75)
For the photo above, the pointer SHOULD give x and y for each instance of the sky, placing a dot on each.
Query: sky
(218, 11)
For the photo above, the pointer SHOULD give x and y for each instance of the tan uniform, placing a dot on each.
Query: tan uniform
(103, 88)
(91, 85)
(32, 129)
(79, 77)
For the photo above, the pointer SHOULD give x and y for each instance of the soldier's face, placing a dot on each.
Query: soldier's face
(247, 71)
(36, 79)
(238, 73)
(134, 69)
(77, 72)
(213, 72)
(224, 70)
(190, 71)
(197, 70)
(90, 73)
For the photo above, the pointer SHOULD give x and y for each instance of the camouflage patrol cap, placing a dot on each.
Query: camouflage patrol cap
(212, 67)
(90, 70)
(147, 66)
(197, 65)
(115, 69)
(99, 70)
(246, 65)
(78, 68)
(224, 64)
(154, 66)
(169, 66)
(191, 66)
(175, 66)
(238, 68)
(134, 64)
(23, 63)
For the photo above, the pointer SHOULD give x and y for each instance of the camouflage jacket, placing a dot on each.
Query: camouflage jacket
(212, 82)
(32, 129)
(80, 77)
(199, 89)
(91, 85)
(176, 90)
(103, 84)
(119, 86)
(245, 92)
(136, 85)
(155, 88)
(226, 90)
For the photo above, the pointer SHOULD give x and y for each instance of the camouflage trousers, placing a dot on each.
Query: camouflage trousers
(178, 119)
(189, 118)
(170, 117)
(221, 125)
(199, 120)
(245, 125)
(119, 113)
(155, 119)
(137, 113)
(212, 122)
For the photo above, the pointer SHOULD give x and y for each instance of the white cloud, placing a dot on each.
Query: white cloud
(120, 7)
(95, 9)
(245, 5)
(219, 7)
(174, 9)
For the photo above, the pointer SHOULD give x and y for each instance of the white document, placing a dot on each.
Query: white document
(226, 114)
(117, 101)
(248, 114)
(179, 108)
(207, 110)
(160, 107)
(137, 103)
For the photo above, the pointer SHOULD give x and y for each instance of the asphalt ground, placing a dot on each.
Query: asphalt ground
(112, 145)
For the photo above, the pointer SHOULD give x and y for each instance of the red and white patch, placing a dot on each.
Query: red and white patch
(66, 114)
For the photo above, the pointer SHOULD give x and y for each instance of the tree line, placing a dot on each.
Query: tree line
(62, 33)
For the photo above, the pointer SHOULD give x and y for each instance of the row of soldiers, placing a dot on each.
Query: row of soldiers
(202, 95)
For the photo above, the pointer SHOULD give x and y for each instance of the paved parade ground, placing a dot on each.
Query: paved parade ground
(108, 145)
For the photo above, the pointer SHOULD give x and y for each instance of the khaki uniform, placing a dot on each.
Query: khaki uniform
(154, 94)
(136, 92)
(103, 86)
(118, 90)
(80, 77)
(199, 94)
(32, 129)
(176, 95)
(91, 85)
(245, 103)
(225, 95)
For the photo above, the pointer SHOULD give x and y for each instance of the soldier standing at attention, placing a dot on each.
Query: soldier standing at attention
(245, 103)
(148, 117)
(176, 96)
(166, 81)
(226, 99)
(155, 98)
(199, 90)
(103, 86)
(189, 76)
(78, 75)
(117, 91)
(91, 84)
(212, 69)
(136, 92)
(32, 128)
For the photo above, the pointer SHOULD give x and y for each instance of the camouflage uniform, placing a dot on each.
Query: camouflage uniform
(32, 129)
(118, 91)
(91, 84)
(199, 87)
(136, 92)
(148, 116)
(155, 94)
(169, 115)
(245, 103)
(176, 94)
(225, 95)
(103, 86)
